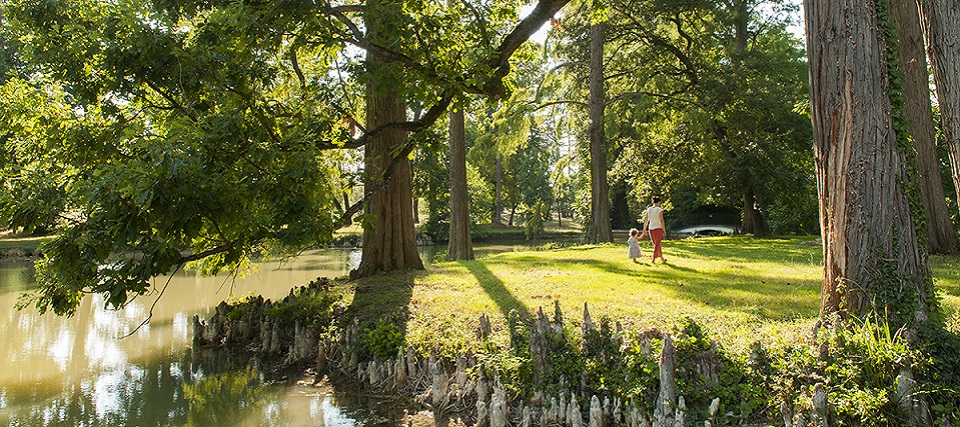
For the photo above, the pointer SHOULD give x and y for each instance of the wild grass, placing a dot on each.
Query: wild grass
(742, 290)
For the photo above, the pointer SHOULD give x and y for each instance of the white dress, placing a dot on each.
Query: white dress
(634, 247)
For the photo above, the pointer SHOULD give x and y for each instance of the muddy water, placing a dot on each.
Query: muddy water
(98, 368)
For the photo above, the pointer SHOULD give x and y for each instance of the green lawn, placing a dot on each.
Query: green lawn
(30, 243)
(741, 289)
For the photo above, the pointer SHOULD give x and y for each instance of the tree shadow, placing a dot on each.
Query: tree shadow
(496, 289)
(751, 293)
(386, 297)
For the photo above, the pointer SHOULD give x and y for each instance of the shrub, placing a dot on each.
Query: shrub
(382, 341)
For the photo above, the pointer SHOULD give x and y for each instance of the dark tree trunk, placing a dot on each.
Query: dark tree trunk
(742, 20)
(753, 220)
(941, 26)
(391, 244)
(599, 230)
(866, 220)
(497, 195)
(941, 235)
(459, 247)
(620, 207)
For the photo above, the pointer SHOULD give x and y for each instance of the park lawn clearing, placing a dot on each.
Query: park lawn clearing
(742, 290)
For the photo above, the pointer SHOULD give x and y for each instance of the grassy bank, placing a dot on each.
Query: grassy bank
(20, 248)
(741, 289)
(739, 310)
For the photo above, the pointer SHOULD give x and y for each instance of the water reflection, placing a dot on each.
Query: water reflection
(80, 371)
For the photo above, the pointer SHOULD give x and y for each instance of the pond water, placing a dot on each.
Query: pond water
(86, 370)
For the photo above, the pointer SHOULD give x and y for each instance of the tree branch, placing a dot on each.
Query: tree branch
(209, 252)
(561, 102)
(296, 67)
(672, 96)
(176, 105)
(426, 121)
(544, 10)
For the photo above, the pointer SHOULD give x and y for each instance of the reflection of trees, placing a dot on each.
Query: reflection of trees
(145, 393)
(221, 399)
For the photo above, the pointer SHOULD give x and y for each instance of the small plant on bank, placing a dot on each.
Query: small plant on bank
(383, 340)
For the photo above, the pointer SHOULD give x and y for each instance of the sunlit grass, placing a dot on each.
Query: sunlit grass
(30, 243)
(741, 289)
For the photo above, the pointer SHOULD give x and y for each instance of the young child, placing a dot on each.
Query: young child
(633, 244)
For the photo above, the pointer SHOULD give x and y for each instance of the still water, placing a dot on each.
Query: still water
(97, 369)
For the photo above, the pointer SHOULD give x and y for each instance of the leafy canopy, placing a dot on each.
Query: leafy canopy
(157, 133)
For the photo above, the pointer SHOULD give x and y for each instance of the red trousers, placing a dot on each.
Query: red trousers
(656, 236)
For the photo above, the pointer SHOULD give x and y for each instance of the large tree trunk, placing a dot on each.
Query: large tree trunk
(941, 26)
(753, 221)
(941, 234)
(870, 246)
(459, 247)
(390, 244)
(599, 230)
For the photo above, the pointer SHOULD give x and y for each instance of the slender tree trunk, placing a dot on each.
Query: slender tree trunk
(390, 244)
(498, 187)
(599, 230)
(866, 220)
(416, 210)
(941, 234)
(941, 26)
(459, 247)
(753, 221)
(743, 19)
(414, 202)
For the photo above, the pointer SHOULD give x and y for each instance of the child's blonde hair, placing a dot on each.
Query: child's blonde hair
(634, 232)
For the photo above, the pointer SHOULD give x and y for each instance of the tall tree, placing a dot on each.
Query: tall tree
(941, 234)
(199, 131)
(599, 230)
(753, 220)
(460, 246)
(389, 242)
(711, 90)
(940, 18)
(869, 202)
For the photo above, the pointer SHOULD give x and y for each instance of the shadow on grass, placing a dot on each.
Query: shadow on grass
(745, 249)
(384, 298)
(767, 296)
(496, 289)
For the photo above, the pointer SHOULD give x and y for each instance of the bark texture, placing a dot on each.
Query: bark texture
(459, 247)
(391, 243)
(864, 212)
(941, 234)
(600, 230)
(941, 27)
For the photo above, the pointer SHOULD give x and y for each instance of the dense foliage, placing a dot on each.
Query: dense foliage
(157, 133)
